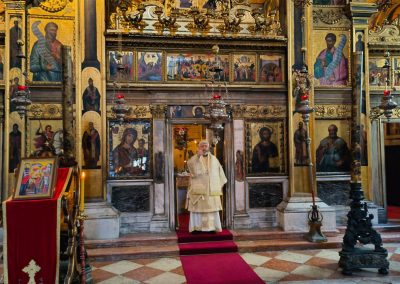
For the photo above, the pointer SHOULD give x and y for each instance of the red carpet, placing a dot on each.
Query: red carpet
(393, 212)
(207, 247)
(185, 237)
(211, 258)
(218, 269)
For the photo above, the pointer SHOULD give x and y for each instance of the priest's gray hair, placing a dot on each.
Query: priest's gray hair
(202, 142)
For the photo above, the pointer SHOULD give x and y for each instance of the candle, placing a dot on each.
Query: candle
(82, 193)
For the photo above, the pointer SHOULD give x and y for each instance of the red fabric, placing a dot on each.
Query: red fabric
(393, 212)
(207, 247)
(185, 237)
(218, 269)
(32, 234)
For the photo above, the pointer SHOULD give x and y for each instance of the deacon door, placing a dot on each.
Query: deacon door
(185, 138)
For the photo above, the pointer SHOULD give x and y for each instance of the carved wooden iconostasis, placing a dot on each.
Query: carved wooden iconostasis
(158, 54)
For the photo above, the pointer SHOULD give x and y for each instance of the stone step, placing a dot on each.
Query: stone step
(134, 240)
(383, 228)
(166, 249)
(273, 234)
(133, 252)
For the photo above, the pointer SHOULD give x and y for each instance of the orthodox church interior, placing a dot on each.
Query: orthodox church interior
(104, 103)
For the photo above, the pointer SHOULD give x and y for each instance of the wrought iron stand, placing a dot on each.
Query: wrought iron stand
(359, 226)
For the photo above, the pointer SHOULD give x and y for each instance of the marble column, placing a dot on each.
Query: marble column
(159, 221)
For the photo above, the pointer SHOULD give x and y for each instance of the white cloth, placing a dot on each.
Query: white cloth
(204, 195)
(205, 222)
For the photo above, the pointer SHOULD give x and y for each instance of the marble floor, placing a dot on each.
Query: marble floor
(294, 266)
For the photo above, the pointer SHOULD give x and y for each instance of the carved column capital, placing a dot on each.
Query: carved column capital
(158, 111)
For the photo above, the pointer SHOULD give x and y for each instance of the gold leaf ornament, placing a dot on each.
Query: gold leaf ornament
(53, 6)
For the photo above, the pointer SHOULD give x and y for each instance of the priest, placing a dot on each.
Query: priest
(205, 191)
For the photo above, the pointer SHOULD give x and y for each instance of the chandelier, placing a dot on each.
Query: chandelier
(119, 108)
(387, 104)
(217, 111)
(21, 100)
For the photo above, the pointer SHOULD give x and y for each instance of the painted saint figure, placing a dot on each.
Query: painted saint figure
(15, 35)
(125, 154)
(45, 56)
(205, 191)
(45, 138)
(300, 143)
(333, 155)
(91, 98)
(264, 150)
(331, 66)
(239, 172)
(91, 147)
(15, 148)
(150, 67)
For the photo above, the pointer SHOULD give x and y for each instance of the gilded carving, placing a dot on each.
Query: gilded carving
(53, 6)
(268, 25)
(386, 36)
(256, 111)
(333, 111)
(158, 111)
(217, 18)
(330, 16)
(136, 111)
(376, 112)
(47, 111)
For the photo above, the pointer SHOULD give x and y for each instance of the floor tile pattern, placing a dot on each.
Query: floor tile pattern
(296, 266)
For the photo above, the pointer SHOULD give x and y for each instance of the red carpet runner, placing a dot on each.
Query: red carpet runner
(212, 258)
(393, 212)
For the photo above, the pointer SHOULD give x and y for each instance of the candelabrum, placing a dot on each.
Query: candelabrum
(302, 93)
(265, 25)
(383, 5)
(132, 18)
(359, 231)
(166, 22)
(200, 21)
(231, 23)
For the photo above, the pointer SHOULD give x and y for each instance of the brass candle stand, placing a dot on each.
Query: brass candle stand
(302, 93)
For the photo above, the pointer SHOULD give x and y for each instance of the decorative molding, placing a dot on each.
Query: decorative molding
(257, 111)
(158, 111)
(328, 16)
(333, 111)
(136, 111)
(229, 19)
(53, 6)
(388, 35)
(45, 111)
(377, 112)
